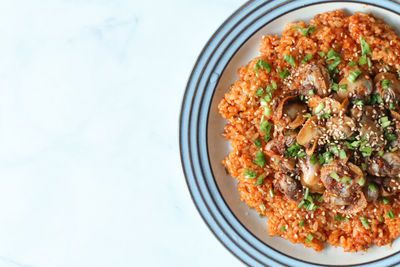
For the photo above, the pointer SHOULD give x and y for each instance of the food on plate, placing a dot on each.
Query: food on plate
(314, 125)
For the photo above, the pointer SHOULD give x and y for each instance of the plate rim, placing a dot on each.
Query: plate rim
(196, 67)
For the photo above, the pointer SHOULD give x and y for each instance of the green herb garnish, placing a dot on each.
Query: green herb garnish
(309, 238)
(307, 58)
(391, 214)
(260, 180)
(260, 159)
(385, 84)
(261, 64)
(365, 223)
(353, 76)
(289, 59)
(249, 174)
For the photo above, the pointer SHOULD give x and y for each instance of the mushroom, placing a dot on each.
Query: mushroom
(309, 132)
(310, 175)
(290, 112)
(340, 127)
(289, 186)
(360, 89)
(388, 86)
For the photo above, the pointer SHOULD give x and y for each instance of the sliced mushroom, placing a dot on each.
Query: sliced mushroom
(289, 186)
(390, 92)
(310, 175)
(360, 89)
(290, 112)
(315, 77)
(340, 127)
(309, 132)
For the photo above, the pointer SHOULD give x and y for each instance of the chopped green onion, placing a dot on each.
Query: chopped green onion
(263, 102)
(307, 58)
(365, 49)
(309, 238)
(332, 55)
(392, 105)
(293, 150)
(307, 115)
(342, 154)
(283, 229)
(310, 92)
(274, 85)
(260, 180)
(331, 67)
(313, 159)
(262, 207)
(320, 107)
(390, 136)
(335, 87)
(339, 218)
(306, 193)
(258, 143)
(363, 166)
(345, 180)
(259, 92)
(268, 97)
(358, 103)
(272, 193)
(326, 116)
(321, 54)
(365, 223)
(385, 122)
(343, 86)
(306, 31)
(261, 64)
(361, 182)
(335, 176)
(260, 159)
(363, 60)
(267, 112)
(369, 62)
(385, 84)
(372, 187)
(283, 74)
(391, 214)
(353, 76)
(366, 151)
(249, 174)
(352, 64)
(266, 126)
(301, 223)
(380, 153)
(289, 59)
(301, 154)
(385, 200)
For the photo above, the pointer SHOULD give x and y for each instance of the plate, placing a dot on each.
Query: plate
(203, 148)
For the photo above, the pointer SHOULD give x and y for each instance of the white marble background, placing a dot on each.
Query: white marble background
(90, 93)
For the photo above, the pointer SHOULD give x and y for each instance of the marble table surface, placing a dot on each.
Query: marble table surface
(90, 92)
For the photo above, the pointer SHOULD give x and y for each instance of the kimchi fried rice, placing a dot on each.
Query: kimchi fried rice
(314, 125)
